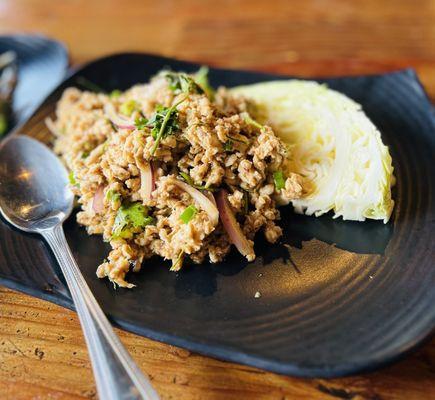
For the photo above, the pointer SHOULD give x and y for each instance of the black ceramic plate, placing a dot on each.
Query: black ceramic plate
(351, 297)
(42, 64)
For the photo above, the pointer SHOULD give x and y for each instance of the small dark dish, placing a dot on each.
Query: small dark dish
(350, 297)
(40, 64)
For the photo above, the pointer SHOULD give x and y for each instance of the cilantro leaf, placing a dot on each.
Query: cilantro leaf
(129, 219)
(141, 123)
(201, 78)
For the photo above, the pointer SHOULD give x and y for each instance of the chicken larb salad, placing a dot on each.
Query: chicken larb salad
(172, 168)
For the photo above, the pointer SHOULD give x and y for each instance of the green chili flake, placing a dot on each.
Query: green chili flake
(72, 179)
(188, 214)
(129, 219)
(114, 94)
(128, 107)
(85, 154)
(279, 180)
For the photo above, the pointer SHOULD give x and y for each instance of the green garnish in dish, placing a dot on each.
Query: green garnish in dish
(141, 123)
(189, 181)
(187, 178)
(129, 219)
(251, 121)
(279, 180)
(113, 196)
(114, 94)
(128, 107)
(201, 78)
(72, 179)
(180, 82)
(188, 214)
(164, 122)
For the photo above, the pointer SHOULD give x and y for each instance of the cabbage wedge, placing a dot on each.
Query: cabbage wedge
(332, 143)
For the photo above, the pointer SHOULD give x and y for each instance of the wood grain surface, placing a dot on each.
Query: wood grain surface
(42, 352)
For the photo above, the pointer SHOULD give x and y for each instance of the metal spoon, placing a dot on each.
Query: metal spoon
(35, 197)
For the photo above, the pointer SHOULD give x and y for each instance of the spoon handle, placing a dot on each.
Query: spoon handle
(116, 374)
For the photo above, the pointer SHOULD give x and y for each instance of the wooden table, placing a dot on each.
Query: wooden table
(42, 353)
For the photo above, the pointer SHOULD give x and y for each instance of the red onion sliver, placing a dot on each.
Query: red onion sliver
(147, 181)
(231, 225)
(98, 200)
(201, 199)
(118, 120)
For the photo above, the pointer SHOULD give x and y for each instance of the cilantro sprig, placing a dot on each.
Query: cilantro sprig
(164, 122)
(179, 82)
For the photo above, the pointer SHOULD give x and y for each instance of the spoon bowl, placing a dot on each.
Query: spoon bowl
(34, 192)
(35, 197)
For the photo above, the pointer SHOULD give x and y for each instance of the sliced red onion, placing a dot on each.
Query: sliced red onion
(147, 181)
(98, 200)
(231, 225)
(116, 119)
(203, 201)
